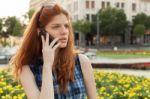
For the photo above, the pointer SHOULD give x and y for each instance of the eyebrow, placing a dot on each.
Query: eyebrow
(59, 24)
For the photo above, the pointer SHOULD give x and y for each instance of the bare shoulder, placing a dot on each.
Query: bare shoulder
(85, 62)
(83, 57)
(25, 72)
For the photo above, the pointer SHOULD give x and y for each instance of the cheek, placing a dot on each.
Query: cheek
(53, 33)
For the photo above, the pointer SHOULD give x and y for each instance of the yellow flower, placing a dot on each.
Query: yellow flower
(1, 90)
(131, 94)
(14, 97)
(3, 97)
(126, 85)
(102, 89)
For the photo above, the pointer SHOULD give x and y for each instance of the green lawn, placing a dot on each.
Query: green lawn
(121, 55)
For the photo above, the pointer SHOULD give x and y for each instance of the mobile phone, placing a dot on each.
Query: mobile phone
(43, 32)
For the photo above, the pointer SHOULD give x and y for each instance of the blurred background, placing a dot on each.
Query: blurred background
(113, 34)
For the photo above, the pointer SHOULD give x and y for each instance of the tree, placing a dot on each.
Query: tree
(139, 19)
(112, 21)
(147, 23)
(83, 26)
(139, 29)
(13, 26)
(18, 29)
(29, 14)
(1, 25)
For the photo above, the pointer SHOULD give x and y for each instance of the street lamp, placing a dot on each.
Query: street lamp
(98, 26)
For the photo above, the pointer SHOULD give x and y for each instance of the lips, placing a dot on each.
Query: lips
(63, 39)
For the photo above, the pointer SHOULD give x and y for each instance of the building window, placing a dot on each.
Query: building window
(103, 4)
(122, 5)
(145, 7)
(93, 17)
(75, 6)
(117, 4)
(87, 4)
(87, 17)
(108, 4)
(76, 17)
(93, 4)
(133, 7)
(133, 17)
(69, 7)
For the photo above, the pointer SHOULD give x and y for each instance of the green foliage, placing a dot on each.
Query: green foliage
(112, 21)
(30, 13)
(139, 29)
(10, 24)
(124, 54)
(18, 29)
(139, 19)
(13, 26)
(147, 23)
(1, 25)
(141, 23)
(83, 26)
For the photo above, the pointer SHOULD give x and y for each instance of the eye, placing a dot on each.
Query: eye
(55, 27)
(66, 25)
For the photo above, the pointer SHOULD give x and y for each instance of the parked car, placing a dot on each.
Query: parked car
(6, 54)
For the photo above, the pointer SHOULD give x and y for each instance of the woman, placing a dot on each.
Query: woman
(50, 68)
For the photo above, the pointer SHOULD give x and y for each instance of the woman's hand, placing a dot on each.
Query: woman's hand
(48, 50)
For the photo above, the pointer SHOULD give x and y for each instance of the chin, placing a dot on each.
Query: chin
(63, 46)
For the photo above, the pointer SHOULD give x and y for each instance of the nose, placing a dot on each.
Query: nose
(64, 30)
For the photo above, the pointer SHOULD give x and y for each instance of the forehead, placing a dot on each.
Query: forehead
(58, 19)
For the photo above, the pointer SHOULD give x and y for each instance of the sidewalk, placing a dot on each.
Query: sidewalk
(101, 60)
(145, 73)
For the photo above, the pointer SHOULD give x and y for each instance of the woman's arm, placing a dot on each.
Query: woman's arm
(88, 76)
(27, 77)
(31, 89)
(47, 90)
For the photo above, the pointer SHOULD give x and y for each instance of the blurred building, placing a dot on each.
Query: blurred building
(87, 9)
(81, 9)
(35, 4)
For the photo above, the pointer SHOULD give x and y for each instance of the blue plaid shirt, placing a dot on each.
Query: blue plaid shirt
(76, 89)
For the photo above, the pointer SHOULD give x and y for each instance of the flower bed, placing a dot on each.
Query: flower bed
(9, 88)
(121, 86)
(109, 86)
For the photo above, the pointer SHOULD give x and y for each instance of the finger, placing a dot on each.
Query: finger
(47, 38)
(53, 42)
(42, 40)
(56, 46)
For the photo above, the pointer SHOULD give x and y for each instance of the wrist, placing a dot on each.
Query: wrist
(47, 66)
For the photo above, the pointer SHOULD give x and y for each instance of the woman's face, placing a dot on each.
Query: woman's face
(58, 27)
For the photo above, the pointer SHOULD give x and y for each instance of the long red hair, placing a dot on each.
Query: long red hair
(31, 46)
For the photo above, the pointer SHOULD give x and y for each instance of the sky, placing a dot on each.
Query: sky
(13, 7)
